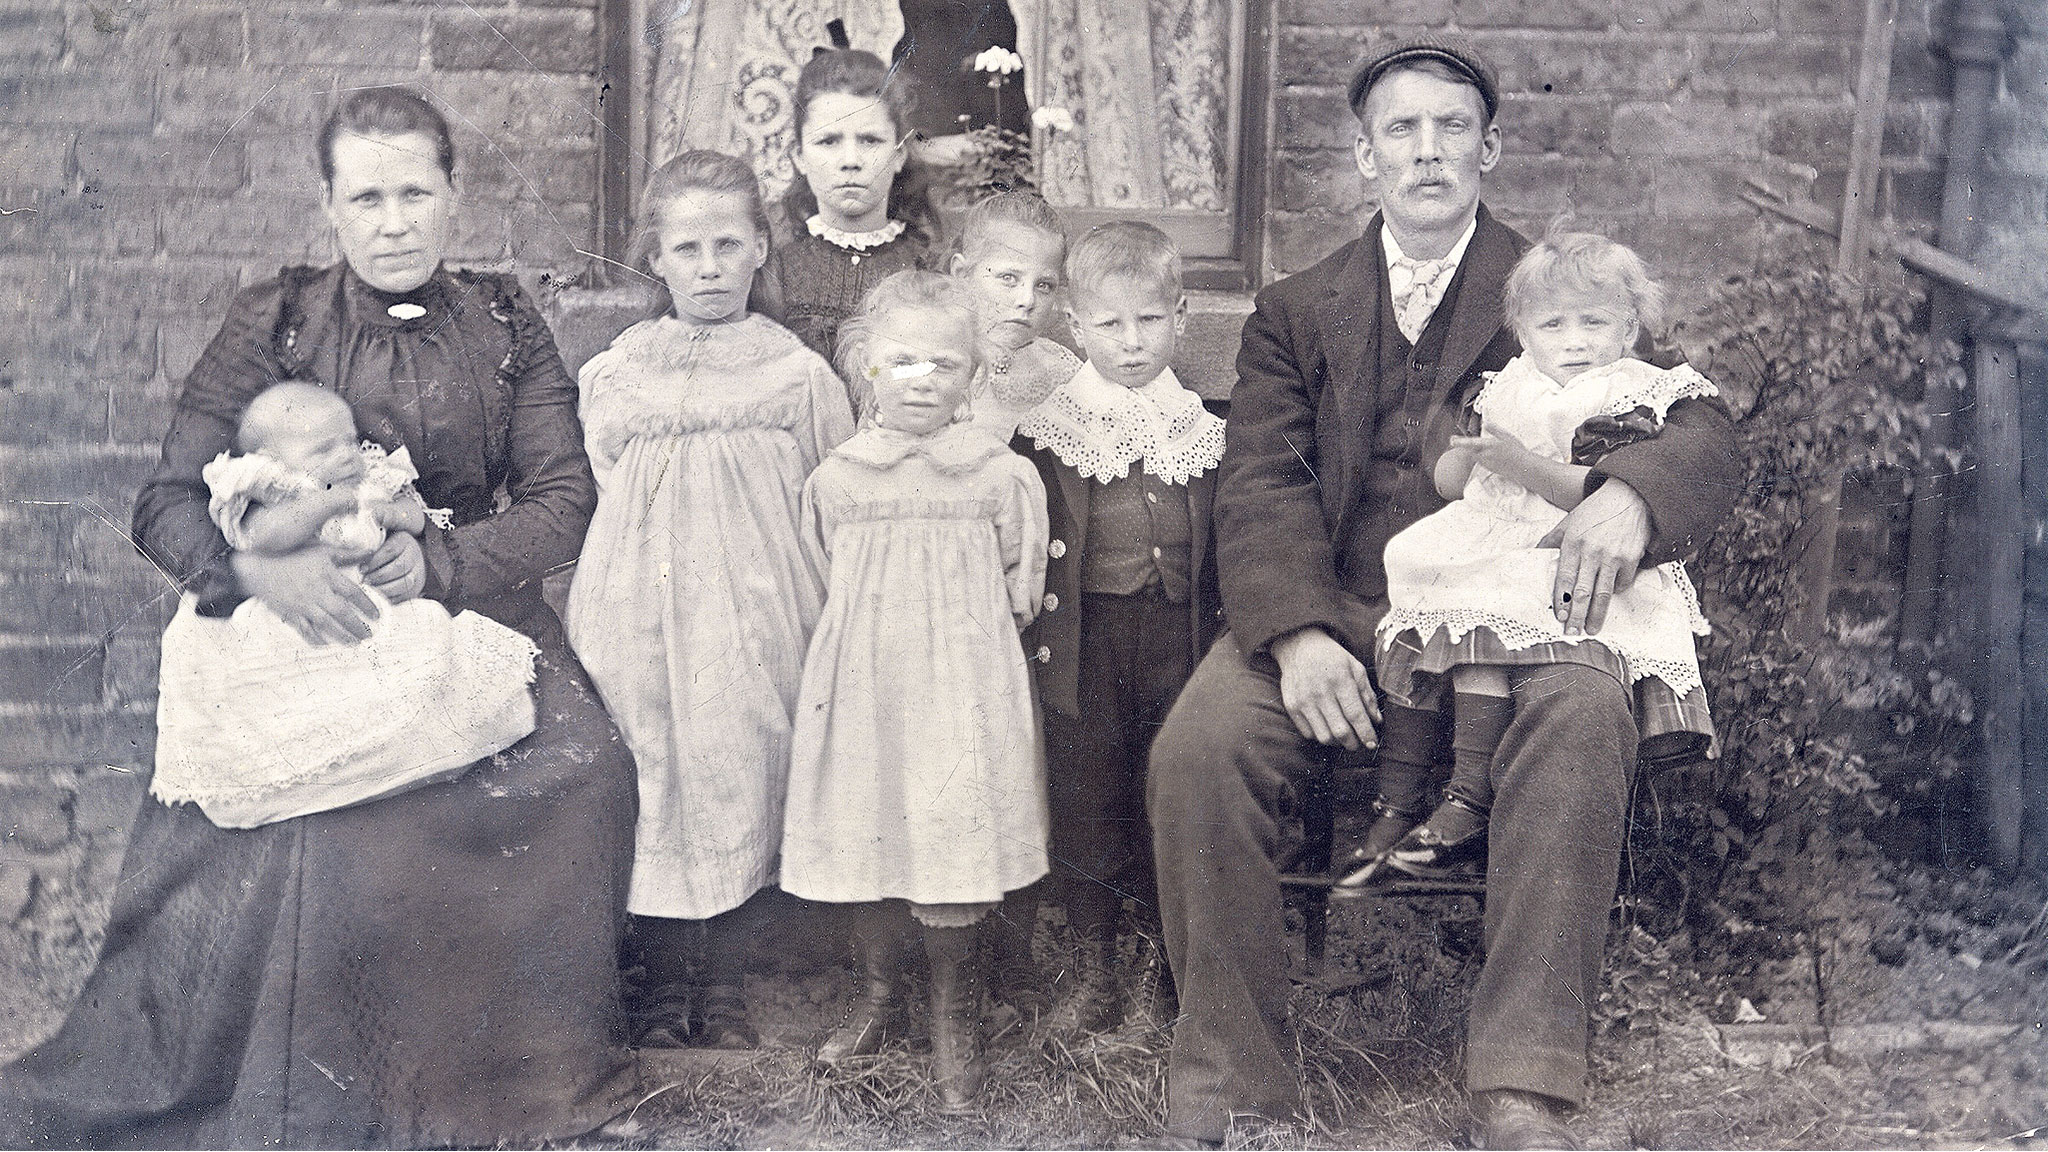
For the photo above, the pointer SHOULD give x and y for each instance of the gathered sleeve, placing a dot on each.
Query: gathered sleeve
(1021, 533)
(171, 525)
(814, 531)
(1275, 561)
(831, 416)
(600, 411)
(548, 480)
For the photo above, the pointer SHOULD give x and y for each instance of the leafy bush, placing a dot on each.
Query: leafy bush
(1821, 737)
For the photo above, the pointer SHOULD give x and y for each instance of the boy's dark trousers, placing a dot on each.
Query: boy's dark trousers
(1135, 655)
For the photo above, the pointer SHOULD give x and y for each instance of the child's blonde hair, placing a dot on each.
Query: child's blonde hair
(901, 291)
(1583, 262)
(1023, 209)
(1131, 249)
(698, 170)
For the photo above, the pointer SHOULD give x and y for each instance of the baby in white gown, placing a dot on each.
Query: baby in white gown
(254, 723)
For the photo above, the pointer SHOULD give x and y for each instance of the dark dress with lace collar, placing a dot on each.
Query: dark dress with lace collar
(435, 968)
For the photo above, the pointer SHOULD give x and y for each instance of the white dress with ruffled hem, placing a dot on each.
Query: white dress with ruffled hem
(255, 725)
(1475, 564)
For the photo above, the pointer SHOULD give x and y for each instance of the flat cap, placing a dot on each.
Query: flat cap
(1457, 56)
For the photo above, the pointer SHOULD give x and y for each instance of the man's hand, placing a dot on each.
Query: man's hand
(397, 568)
(1600, 546)
(321, 602)
(1326, 691)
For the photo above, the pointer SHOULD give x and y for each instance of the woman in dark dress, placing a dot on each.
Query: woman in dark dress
(438, 967)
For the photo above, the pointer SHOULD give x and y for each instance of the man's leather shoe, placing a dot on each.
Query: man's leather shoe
(1507, 1118)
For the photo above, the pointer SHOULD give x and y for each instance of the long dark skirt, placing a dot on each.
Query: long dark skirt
(437, 968)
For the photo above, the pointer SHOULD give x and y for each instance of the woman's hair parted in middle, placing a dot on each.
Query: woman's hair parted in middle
(387, 110)
(1584, 262)
(698, 170)
(903, 292)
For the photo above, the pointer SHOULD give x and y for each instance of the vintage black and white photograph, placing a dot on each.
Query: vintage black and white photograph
(617, 574)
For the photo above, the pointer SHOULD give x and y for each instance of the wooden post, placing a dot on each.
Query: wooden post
(2033, 348)
(1997, 566)
(1866, 139)
(1975, 42)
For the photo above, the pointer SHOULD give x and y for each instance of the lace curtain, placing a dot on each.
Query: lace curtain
(1144, 138)
(725, 73)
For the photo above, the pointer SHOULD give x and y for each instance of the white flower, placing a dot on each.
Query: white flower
(1053, 119)
(999, 60)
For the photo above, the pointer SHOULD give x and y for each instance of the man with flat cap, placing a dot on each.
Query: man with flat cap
(1350, 380)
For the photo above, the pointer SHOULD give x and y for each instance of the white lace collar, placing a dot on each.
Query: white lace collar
(858, 241)
(1628, 382)
(953, 449)
(1100, 429)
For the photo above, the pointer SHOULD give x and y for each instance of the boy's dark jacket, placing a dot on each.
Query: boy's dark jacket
(1298, 539)
(1054, 640)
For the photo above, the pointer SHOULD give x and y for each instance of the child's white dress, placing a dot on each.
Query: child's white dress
(693, 602)
(1474, 564)
(256, 725)
(918, 772)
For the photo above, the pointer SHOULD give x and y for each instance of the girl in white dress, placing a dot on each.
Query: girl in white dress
(692, 602)
(918, 773)
(255, 724)
(1469, 585)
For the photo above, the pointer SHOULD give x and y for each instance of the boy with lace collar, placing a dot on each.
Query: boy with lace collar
(1128, 456)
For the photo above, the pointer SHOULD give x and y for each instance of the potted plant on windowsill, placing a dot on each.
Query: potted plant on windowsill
(983, 159)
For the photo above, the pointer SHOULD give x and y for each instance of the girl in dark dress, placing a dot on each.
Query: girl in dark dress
(855, 214)
(435, 968)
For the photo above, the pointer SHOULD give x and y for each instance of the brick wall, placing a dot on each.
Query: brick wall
(1640, 118)
(155, 155)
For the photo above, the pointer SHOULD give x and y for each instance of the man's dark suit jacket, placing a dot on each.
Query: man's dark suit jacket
(1294, 547)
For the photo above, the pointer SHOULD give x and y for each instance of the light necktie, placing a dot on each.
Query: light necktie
(1418, 286)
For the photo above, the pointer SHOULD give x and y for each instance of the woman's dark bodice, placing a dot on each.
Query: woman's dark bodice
(473, 388)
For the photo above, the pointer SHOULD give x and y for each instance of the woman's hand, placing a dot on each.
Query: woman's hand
(321, 602)
(398, 568)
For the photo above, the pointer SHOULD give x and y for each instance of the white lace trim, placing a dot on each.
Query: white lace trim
(1644, 385)
(235, 482)
(858, 241)
(1659, 392)
(1100, 429)
(1682, 675)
